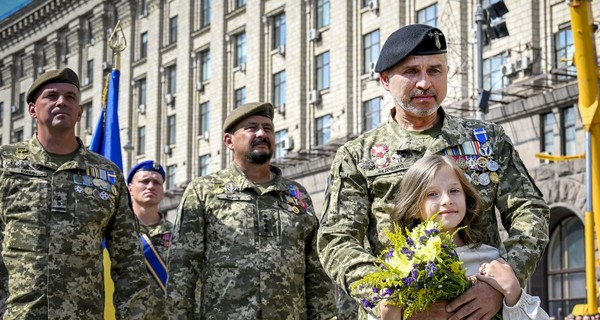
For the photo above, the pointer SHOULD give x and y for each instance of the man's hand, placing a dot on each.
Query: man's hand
(435, 311)
(480, 302)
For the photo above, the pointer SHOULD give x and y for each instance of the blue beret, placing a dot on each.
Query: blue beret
(148, 165)
(64, 75)
(413, 39)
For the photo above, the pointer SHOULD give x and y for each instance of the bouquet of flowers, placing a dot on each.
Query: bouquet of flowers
(420, 268)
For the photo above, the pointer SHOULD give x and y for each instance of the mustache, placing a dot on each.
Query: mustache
(422, 93)
(261, 140)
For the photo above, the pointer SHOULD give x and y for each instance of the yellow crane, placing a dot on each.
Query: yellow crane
(587, 78)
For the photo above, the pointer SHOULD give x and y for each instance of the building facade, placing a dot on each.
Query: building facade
(188, 63)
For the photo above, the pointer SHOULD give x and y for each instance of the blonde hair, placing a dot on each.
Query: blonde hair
(411, 196)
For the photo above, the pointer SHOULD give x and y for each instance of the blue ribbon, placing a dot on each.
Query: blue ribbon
(155, 263)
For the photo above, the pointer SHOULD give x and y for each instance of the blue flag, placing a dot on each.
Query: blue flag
(106, 140)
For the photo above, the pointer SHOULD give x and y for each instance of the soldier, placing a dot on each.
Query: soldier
(145, 183)
(59, 201)
(366, 174)
(244, 240)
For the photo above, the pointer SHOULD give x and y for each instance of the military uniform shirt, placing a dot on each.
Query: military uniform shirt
(239, 253)
(365, 178)
(52, 222)
(160, 235)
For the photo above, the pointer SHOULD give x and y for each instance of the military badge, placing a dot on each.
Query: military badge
(379, 155)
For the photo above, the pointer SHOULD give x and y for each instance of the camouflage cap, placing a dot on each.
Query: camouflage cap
(264, 109)
(147, 165)
(64, 75)
(413, 39)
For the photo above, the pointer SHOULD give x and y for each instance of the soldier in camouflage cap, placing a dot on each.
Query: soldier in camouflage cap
(244, 240)
(366, 173)
(145, 183)
(59, 201)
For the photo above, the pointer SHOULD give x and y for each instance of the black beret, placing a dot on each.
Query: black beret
(148, 165)
(413, 39)
(264, 109)
(65, 75)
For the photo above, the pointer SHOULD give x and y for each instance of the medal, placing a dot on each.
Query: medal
(475, 178)
(484, 179)
(461, 162)
(494, 177)
(295, 210)
(492, 165)
(482, 162)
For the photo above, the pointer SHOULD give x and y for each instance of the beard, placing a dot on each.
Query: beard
(259, 157)
(408, 107)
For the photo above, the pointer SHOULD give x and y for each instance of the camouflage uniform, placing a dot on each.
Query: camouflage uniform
(160, 235)
(366, 174)
(246, 251)
(52, 222)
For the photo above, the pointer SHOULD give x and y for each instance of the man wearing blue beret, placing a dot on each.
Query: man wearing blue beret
(366, 173)
(145, 182)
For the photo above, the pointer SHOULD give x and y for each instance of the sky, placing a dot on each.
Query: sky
(7, 6)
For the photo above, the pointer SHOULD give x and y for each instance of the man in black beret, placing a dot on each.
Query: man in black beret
(366, 174)
(245, 236)
(59, 201)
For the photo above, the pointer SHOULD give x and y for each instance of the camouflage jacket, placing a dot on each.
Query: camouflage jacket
(52, 222)
(160, 235)
(239, 252)
(365, 177)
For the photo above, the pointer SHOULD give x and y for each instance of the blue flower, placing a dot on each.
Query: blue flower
(367, 304)
(390, 253)
(430, 269)
(422, 239)
(407, 252)
(410, 242)
(375, 290)
(387, 292)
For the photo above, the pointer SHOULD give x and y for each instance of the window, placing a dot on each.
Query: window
(240, 97)
(428, 15)
(172, 30)
(493, 78)
(278, 31)
(564, 49)
(322, 13)
(566, 267)
(548, 133)
(141, 91)
(1, 114)
(144, 8)
(323, 71)
(88, 115)
(371, 113)
(18, 135)
(170, 183)
(89, 74)
(280, 141)
(22, 104)
(141, 140)
(370, 50)
(22, 65)
(240, 3)
(204, 121)
(205, 13)
(172, 79)
(240, 49)
(143, 45)
(323, 133)
(279, 89)
(203, 164)
(89, 31)
(365, 3)
(205, 65)
(568, 144)
(171, 130)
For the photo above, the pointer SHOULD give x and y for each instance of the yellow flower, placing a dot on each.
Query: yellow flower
(401, 263)
(430, 250)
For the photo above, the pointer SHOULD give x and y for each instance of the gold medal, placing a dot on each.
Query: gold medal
(482, 162)
(494, 177)
(461, 162)
(295, 210)
(475, 178)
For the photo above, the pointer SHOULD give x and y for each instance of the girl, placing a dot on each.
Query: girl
(435, 184)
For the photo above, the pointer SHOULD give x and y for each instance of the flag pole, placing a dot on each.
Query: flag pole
(117, 43)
